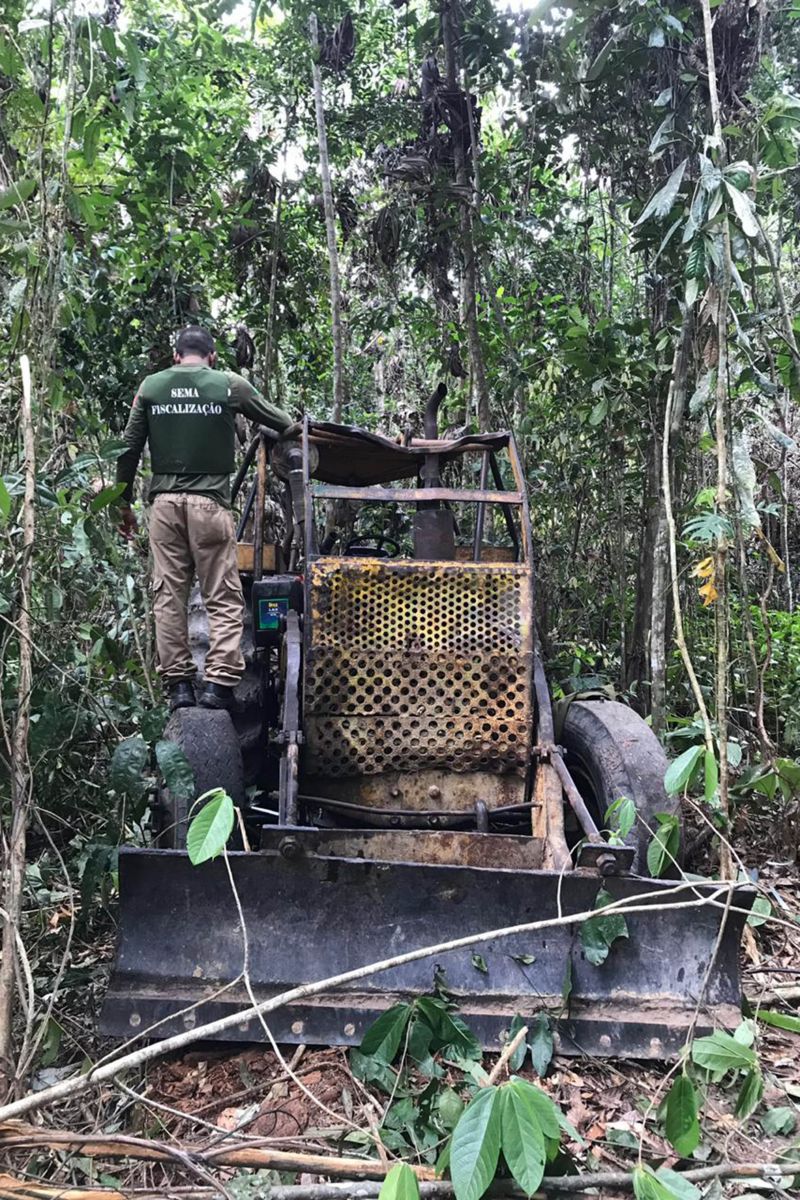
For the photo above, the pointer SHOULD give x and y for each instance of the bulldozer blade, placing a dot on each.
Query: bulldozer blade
(310, 916)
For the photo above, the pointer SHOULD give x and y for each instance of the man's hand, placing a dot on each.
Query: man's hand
(128, 525)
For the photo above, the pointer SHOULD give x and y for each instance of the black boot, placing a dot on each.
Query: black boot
(181, 695)
(216, 695)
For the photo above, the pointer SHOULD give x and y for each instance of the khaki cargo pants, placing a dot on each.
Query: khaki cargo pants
(193, 535)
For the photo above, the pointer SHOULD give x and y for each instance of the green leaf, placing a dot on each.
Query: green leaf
(551, 1118)
(743, 207)
(648, 1186)
(540, 1043)
(106, 497)
(779, 1020)
(711, 775)
(210, 829)
(522, 1138)
(596, 68)
(479, 963)
(682, 1125)
(696, 262)
(721, 1052)
(370, 1070)
(448, 1029)
(750, 1094)
(677, 1185)
(524, 960)
(127, 765)
(5, 500)
(17, 193)
(620, 817)
(664, 845)
(598, 934)
(382, 1039)
(566, 985)
(780, 1122)
(108, 41)
(760, 912)
(449, 1106)
(176, 769)
(599, 412)
(400, 1184)
(681, 770)
(475, 1147)
(661, 203)
(518, 1057)
(91, 139)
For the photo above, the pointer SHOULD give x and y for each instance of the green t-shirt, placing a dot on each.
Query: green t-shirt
(179, 395)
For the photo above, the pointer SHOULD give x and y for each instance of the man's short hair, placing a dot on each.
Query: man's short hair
(193, 339)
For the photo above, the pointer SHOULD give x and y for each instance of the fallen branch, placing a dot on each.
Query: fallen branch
(79, 1084)
(15, 1135)
(440, 1189)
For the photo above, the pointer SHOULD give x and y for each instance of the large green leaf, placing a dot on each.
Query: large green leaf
(780, 1122)
(779, 1020)
(522, 1138)
(448, 1029)
(661, 203)
(677, 1184)
(5, 500)
(475, 1148)
(745, 213)
(681, 770)
(210, 829)
(540, 1042)
(710, 776)
(106, 497)
(647, 1185)
(721, 1052)
(551, 1118)
(176, 769)
(750, 1093)
(382, 1039)
(682, 1125)
(17, 192)
(400, 1184)
(663, 849)
(127, 766)
(518, 1057)
(598, 934)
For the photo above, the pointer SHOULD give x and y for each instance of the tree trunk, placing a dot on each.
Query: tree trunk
(721, 434)
(21, 782)
(337, 328)
(660, 601)
(469, 272)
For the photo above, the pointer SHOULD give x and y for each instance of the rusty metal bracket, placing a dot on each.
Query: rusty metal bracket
(607, 859)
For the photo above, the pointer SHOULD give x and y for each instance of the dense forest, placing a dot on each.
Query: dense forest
(584, 221)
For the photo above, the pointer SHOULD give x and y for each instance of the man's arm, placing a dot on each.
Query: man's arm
(134, 437)
(250, 402)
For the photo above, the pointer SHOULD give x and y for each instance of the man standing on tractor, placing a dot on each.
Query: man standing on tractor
(186, 413)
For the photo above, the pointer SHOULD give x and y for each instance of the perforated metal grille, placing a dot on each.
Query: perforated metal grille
(414, 665)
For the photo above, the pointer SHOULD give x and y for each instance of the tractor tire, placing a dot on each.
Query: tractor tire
(611, 752)
(248, 714)
(208, 739)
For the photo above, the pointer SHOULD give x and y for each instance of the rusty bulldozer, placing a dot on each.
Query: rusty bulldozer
(402, 782)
